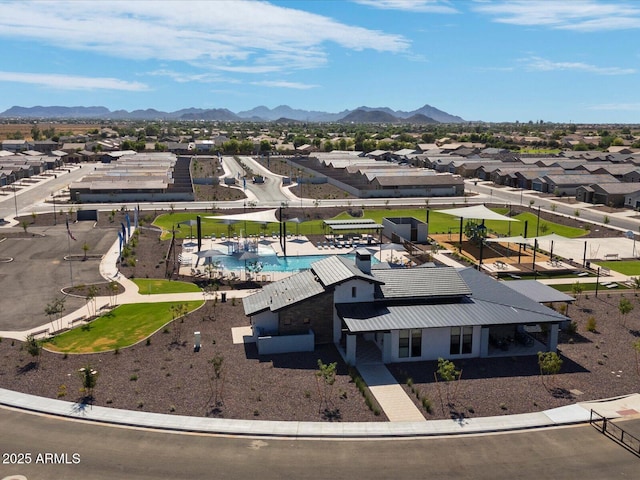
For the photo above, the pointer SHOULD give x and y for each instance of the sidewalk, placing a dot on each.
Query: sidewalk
(573, 414)
(109, 271)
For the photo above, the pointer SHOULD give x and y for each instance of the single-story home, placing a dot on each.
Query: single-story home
(409, 314)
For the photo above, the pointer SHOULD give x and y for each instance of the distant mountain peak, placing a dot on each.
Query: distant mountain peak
(424, 114)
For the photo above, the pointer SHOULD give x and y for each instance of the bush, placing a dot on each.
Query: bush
(591, 324)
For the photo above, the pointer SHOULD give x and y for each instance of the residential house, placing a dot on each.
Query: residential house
(16, 146)
(410, 314)
(613, 194)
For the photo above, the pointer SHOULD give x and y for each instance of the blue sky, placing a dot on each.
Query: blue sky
(561, 61)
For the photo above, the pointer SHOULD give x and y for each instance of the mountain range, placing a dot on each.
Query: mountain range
(425, 114)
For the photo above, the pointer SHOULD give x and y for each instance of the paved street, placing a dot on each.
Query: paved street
(109, 452)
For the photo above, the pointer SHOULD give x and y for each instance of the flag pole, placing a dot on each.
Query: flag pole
(69, 247)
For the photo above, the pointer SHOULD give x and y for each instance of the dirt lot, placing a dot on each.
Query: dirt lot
(7, 130)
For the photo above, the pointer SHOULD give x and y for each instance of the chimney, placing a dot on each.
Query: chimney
(363, 260)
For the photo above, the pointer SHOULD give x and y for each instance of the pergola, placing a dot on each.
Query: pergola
(355, 224)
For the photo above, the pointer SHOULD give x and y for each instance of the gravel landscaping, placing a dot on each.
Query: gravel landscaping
(165, 375)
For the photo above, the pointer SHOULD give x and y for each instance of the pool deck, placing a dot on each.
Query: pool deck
(296, 246)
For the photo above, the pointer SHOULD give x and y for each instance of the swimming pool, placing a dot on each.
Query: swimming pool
(273, 263)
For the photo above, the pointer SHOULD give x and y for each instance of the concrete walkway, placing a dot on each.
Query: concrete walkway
(391, 397)
(109, 271)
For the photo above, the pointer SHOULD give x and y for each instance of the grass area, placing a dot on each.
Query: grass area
(587, 287)
(124, 326)
(546, 227)
(152, 286)
(438, 223)
(626, 267)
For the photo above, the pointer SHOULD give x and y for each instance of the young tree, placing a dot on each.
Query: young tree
(34, 348)
(325, 379)
(216, 381)
(624, 307)
(88, 377)
(550, 364)
(85, 249)
(448, 373)
(577, 288)
(90, 298)
(636, 348)
(54, 311)
(178, 310)
(113, 292)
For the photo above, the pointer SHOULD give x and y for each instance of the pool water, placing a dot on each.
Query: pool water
(273, 263)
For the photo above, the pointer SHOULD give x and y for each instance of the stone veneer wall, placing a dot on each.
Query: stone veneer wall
(315, 314)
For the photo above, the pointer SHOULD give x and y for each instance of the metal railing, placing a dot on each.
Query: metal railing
(614, 431)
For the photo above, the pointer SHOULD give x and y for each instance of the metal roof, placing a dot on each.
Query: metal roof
(360, 317)
(436, 282)
(335, 269)
(354, 221)
(363, 226)
(488, 289)
(538, 292)
(283, 293)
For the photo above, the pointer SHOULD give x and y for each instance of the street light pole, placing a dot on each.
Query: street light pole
(53, 195)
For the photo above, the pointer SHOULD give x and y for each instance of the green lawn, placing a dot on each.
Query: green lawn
(587, 287)
(124, 326)
(626, 267)
(150, 286)
(438, 223)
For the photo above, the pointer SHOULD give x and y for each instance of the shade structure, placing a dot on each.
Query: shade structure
(266, 216)
(477, 212)
(517, 239)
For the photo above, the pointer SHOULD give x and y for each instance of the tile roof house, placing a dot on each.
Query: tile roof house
(409, 314)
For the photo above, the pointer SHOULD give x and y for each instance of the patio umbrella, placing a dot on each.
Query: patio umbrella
(248, 256)
(208, 254)
(390, 246)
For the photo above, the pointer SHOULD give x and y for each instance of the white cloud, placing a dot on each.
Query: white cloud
(542, 64)
(72, 82)
(426, 6)
(238, 35)
(579, 15)
(284, 84)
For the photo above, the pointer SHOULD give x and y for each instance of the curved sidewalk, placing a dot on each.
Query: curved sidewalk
(569, 415)
(109, 271)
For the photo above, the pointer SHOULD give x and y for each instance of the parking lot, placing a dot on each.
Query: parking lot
(34, 270)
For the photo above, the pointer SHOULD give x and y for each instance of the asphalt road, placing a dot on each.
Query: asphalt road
(104, 452)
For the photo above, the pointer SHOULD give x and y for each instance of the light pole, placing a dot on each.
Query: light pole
(53, 196)
(15, 199)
